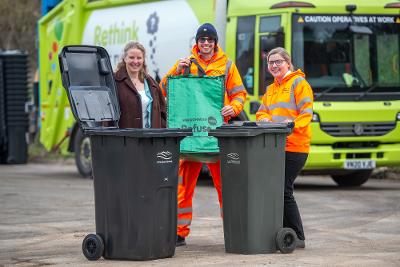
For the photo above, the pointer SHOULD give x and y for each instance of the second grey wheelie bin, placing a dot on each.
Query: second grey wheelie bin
(135, 171)
(14, 117)
(253, 173)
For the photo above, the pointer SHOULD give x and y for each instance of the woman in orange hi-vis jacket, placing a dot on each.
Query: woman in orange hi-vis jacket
(289, 99)
(215, 63)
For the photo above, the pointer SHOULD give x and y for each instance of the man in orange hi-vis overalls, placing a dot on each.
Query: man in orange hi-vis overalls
(213, 60)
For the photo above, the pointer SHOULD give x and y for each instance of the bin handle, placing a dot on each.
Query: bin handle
(291, 125)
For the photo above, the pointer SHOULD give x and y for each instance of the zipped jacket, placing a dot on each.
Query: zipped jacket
(291, 100)
(219, 64)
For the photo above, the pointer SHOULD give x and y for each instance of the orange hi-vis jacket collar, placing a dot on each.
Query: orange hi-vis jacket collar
(297, 73)
(290, 100)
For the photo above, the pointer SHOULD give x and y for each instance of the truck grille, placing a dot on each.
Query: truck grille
(358, 129)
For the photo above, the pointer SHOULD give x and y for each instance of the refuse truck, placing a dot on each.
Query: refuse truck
(348, 51)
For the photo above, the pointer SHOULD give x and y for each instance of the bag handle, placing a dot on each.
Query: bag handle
(200, 71)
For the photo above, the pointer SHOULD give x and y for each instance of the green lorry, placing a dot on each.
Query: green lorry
(349, 52)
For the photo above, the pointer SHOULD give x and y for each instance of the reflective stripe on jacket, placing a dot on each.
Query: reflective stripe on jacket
(291, 100)
(219, 64)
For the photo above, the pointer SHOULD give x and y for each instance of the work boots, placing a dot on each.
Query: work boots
(180, 241)
(300, 243)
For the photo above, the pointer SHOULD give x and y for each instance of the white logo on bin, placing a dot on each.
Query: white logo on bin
(164, 157)
(233, 158)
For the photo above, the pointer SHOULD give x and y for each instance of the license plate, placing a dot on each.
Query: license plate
(359, 164)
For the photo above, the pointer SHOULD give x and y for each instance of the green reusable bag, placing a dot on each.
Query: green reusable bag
(195, 102)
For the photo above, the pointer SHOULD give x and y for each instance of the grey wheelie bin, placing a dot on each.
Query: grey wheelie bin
(253, 172)
(135, 171)
(14, 118)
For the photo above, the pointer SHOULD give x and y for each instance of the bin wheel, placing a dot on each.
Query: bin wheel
(83, 154)
(93, 247)
(286, 240)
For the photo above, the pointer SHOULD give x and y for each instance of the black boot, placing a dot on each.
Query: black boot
(180, 241)
(300, 243)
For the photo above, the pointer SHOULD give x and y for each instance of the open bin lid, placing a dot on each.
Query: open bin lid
(251, 128)
(88, 79)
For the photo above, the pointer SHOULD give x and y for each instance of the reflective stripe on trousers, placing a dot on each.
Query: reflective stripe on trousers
(189, 171)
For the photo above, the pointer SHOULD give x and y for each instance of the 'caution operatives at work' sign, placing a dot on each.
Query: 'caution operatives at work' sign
(347, 19)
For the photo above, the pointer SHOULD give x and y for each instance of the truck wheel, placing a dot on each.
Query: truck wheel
(355, 178)
(92, 247)
(286, 240)
(83, 156)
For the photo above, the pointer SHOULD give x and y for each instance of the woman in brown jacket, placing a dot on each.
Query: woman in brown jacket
(141, 101)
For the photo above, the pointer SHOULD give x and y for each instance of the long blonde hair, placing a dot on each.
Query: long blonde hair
(134, 45)
(283, 53)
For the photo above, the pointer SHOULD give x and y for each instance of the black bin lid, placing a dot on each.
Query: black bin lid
(251, 128)
(88, 79)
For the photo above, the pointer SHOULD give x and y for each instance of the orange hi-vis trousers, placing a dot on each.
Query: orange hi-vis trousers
(188, 173)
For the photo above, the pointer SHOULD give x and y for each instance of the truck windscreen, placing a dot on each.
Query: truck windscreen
(347, 57)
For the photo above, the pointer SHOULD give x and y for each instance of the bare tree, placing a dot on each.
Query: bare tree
(18, 20)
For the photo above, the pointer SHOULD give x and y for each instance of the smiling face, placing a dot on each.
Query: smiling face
(206, 46)
(277, 66)
(134, 60)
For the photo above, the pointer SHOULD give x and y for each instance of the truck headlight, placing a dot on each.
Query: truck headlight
(398, 116)
(315, 117)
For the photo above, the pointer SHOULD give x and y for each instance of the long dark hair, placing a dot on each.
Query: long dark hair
(283, 53)
(134, 45)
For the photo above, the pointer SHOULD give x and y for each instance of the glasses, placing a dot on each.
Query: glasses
(204, 39)
(278, 62)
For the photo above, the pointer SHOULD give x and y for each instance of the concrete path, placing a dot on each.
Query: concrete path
(47, 209)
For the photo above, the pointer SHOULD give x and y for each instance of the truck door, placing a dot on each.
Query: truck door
(245, 41)
(270, 35)
(255, 37)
